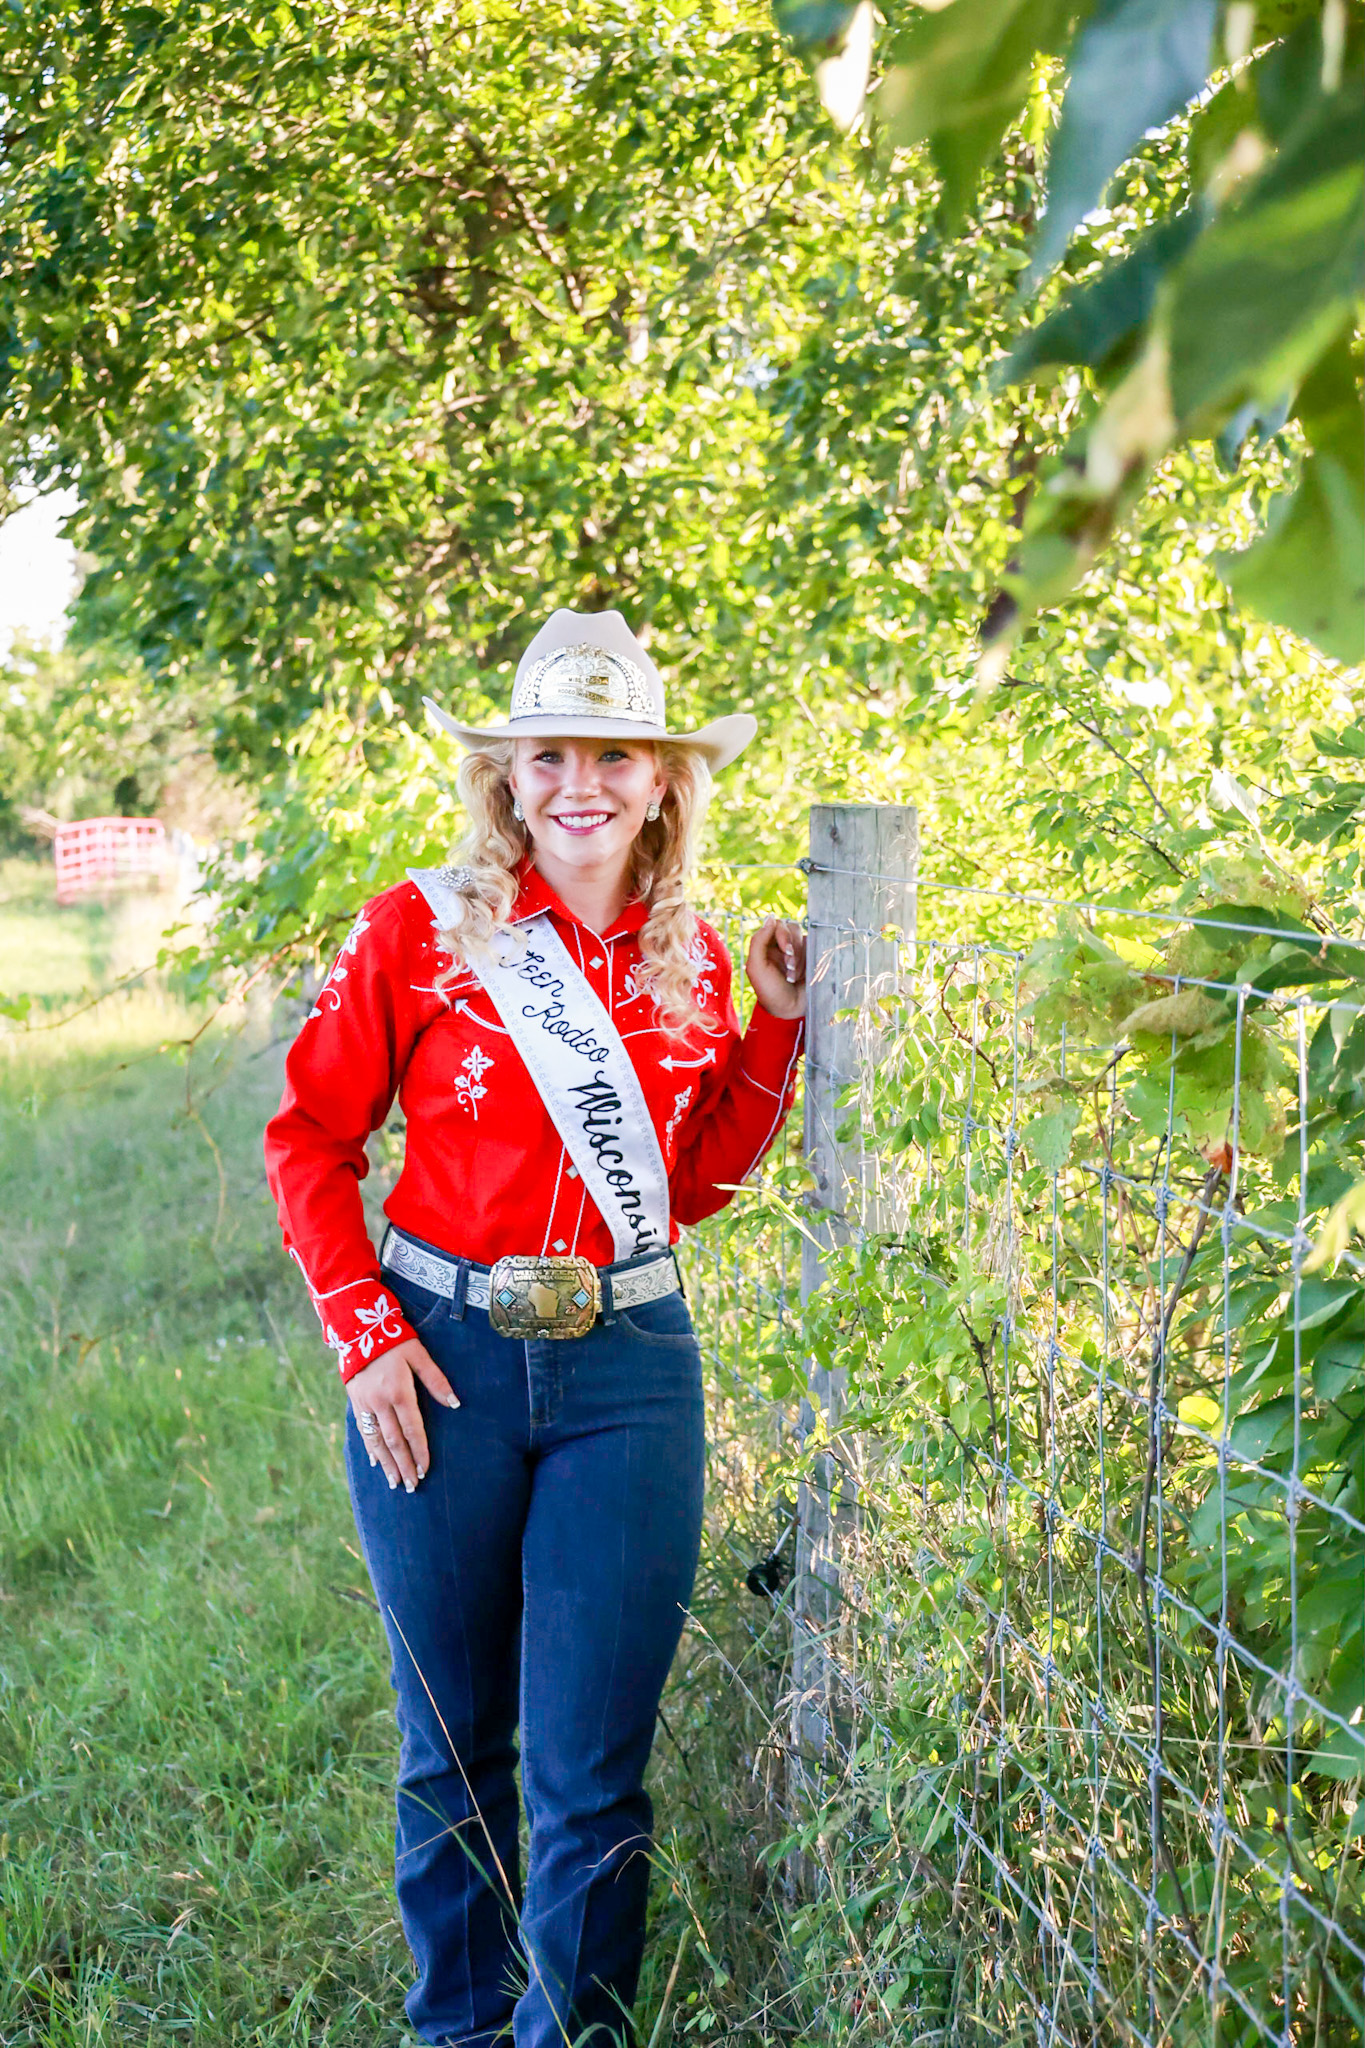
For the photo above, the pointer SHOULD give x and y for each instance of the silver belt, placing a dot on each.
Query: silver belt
(534, 1297)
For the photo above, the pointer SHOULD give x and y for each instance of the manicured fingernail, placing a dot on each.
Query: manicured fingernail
(452, 1400)
(392, 1482)
(421, 1471)
(409, 1486)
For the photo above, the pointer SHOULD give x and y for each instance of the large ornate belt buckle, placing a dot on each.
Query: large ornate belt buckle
(543, 1297)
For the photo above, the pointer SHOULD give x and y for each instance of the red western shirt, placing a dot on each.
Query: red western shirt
(485, 1172)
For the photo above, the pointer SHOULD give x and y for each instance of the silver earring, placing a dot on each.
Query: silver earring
(517, 812)
(652, 811)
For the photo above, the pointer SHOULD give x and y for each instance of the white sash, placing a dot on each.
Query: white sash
(581, 1069)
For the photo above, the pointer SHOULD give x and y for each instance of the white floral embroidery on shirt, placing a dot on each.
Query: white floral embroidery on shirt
(699, 956)
(469, 1088)
(329, 987)
(680, 1103)
(380, 1321)
(342, 1349)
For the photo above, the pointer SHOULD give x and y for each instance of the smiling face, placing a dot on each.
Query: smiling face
(585, 799)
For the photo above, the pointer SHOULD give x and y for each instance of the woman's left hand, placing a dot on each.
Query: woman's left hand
(776, 967)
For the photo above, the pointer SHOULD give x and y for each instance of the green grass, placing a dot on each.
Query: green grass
(196, 1738)
(57, 952)
(196, 1745)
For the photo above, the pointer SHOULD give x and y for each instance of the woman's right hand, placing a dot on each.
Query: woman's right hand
(385, 1392)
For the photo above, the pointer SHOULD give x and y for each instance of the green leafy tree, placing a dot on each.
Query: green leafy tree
(1233, 313)
(366, 341)
(82, 735)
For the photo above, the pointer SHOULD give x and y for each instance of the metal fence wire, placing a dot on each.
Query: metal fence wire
(1063, 1457)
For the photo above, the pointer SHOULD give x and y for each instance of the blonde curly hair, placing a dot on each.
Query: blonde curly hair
(662, 857)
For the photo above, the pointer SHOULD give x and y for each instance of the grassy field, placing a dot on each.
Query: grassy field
(196, 1742)
(194, 1725)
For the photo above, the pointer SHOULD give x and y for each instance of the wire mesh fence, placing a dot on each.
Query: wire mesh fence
(1064, 1468)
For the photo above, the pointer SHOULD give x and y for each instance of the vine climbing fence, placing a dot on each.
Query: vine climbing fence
(1038, 1355)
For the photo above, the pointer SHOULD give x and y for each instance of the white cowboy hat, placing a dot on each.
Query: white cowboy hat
(585, 674)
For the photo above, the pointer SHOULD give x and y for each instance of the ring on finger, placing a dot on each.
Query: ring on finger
(367, 1423)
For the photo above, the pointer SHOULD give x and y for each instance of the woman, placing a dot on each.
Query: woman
(525, 1431)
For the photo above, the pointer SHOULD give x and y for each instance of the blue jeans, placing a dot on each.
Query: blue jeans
(538, 1576)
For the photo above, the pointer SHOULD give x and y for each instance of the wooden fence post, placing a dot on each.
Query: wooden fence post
(864, 862)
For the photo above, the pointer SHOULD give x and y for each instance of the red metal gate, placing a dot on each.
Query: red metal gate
(96, 851)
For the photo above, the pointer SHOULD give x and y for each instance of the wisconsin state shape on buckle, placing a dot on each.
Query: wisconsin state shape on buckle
(530, 1297)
